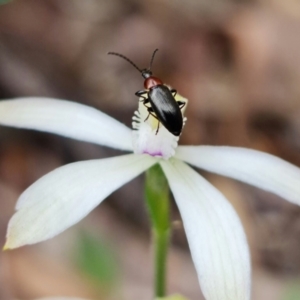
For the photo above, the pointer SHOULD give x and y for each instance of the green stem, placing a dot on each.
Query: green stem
(157, 198)
(161, 243)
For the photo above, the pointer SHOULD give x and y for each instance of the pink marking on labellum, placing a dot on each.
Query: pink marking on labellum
(153, 153)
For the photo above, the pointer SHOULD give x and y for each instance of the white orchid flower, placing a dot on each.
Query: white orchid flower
(64, 196)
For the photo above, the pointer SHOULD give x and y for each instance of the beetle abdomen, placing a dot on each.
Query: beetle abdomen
(166, 108)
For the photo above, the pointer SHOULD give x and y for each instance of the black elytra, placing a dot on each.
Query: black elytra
(163, 105)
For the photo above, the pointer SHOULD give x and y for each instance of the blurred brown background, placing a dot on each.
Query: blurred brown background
(238, 63)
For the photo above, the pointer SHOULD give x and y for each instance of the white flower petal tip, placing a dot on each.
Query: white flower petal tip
(63, 197)
(215, 235)
(66, 118)
(254, 167)
(149, 136)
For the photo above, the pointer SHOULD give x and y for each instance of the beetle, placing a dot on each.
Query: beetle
(159, 99)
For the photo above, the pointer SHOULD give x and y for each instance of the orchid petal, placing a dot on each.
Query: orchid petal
(66, 195)
(215, 235)
(260, 169)
(66, 118)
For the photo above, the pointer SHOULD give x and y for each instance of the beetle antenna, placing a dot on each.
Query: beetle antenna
(124, 57)
(152, 58)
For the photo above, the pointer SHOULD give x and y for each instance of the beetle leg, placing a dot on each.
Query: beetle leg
(181, 104)
(173, 92)
(151, 112)
(145, 102)
(157, 128)
(141, 94)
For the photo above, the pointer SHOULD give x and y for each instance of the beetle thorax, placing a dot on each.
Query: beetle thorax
(151, 82)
